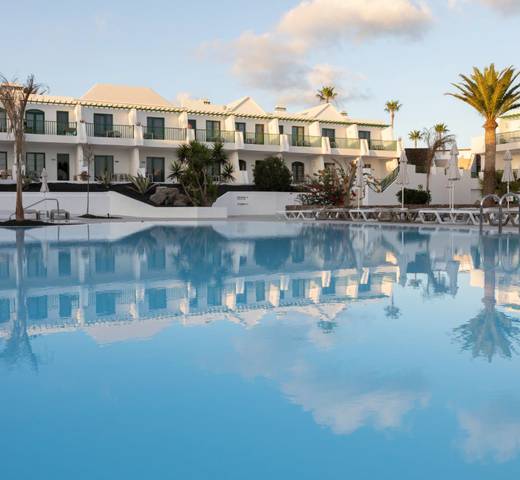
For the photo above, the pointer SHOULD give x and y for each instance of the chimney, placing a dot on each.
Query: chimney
(280, 108)
(205, 101)
(344, 113)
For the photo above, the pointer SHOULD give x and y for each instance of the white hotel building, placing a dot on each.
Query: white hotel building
(133, 130)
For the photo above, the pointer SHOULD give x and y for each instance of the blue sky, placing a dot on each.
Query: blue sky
(277, 51)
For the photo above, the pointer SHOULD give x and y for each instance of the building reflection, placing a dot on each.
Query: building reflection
(136, 285)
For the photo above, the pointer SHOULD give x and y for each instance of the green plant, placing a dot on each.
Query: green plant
(415, 136)
(273, 175)
(414, 197)
(392, 107)
(198, 168)
(325, 188)
(327, 93)
(491, 94)
(141, 184)
(105, 179)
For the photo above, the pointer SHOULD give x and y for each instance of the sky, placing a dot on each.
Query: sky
(277, 51)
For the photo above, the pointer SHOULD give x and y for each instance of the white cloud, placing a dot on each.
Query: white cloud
(493, 432)
(503, 6)
(278, 60)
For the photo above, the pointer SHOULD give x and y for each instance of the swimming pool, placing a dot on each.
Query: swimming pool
(259, 350)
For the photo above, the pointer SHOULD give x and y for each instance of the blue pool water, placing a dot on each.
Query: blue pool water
(258, 350)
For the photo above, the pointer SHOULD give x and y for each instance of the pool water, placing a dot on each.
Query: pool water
(258, 350)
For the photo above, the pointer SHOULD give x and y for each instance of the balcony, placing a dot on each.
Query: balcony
(49, 128)
(304, 141)
(222, 136)
(508, 137)
(252, 138)
(112, 131)
(383, 145)
(165, 133)
(347, 143)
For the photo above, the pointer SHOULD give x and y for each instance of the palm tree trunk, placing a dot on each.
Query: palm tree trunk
(392, 118)
(20, 217)
(491, 153)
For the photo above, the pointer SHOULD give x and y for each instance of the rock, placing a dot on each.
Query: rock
(165, 196)
(181, 200)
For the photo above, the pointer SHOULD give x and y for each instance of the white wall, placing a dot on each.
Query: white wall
(256, 203)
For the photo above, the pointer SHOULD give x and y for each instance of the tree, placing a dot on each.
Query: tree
(436, 141)
(441, 129)
(272, 174)
(415, 136)
(492, 94)
(392, 107)
(14, 97)
(327, 93)
(198, 168)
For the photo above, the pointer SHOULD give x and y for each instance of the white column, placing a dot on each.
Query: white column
(136, 168)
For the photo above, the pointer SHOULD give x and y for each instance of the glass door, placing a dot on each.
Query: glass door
(63, 167)
(34, 164)
(103, 165)
(212, 131)
(35, 121)
(155, 169)
(331, 134)
(62, 123)
(103, 124)
(298, 136)
(259, 134)
(155, 128)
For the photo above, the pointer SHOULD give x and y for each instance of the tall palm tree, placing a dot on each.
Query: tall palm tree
(392, 107)
(14, 98)
(415, 136)
(437, 139)
(491, 93)
(327, 93)
(441, 129)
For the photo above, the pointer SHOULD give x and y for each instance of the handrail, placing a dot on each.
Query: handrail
(505, 197)
(36, 203)
(481, 216)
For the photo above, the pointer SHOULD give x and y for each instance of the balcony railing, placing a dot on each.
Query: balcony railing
(386, 145)
(351, 143)
(304, 141)
(51, 128)
(223, 136)
(164, 133)
(112, 131)
(253, 138)
(508, 137)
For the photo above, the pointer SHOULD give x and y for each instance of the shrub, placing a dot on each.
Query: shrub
(414, 197)
(325, 189)
(272, 175)
(141, 184)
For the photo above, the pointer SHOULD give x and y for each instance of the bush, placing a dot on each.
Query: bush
(325, 189)
(272, 175)
(141, 184)
(414, 197)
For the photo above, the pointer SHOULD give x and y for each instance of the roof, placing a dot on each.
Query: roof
(144, 98)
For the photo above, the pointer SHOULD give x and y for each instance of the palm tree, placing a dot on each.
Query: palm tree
(441, 129)
(14, 97)
(392, 107)
(415, 136)
(327, 93)
(491, 94)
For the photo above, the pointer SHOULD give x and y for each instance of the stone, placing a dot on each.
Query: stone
(165, 196)
(181, 200)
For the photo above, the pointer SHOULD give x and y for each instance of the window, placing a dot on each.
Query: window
(330, 166)
(34, 163)
(298, 252)
(37, 308)
(331, 289)
(5, 310)
(365, 135)
(259, 134)
(35, 263)
(105, 303)
(35, 121)
(66, 303)
(241, 127)
(298, 136)
(154, 128)
(157, 299)
(212, 130)
(4, 267)
(298, 172)
(64, 264)
(105, 260)
(62, 123)
(155, 168)
(242, 165)
(192, 124)
(63, 166)
(3, 160)
(214, 296)
(103, 124)
(3, 120)
(103, 165)
(280, 129)
(156, 259)
(330, 133)
(477, 166)
(298, 288)
(260, 291)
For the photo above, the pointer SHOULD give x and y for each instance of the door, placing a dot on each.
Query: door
(259, 134)
(298, 172)
(34, 164)
(298, 136)
(155, 128)
(103, 124)
(62, 123)
(63, 167)
(155, 169)
(241, 127)
(192, 124)
(212, 131)
(35, 121)
(103, 165)
(331, 134)
(365, 135)
(3, 162)
(3, 120)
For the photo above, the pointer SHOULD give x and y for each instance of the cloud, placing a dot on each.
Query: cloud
(505, 7)
(278, 61)
(493, 432)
